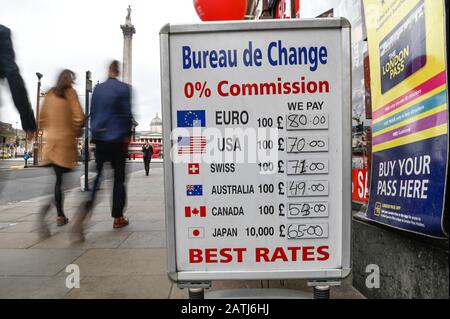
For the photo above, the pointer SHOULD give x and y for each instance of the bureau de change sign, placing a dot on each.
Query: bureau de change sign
(257, 137)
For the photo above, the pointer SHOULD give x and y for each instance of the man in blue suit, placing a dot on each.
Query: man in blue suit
(111, 125)
(10, 71)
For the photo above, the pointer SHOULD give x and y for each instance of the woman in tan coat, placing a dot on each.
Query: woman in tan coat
(61, 120)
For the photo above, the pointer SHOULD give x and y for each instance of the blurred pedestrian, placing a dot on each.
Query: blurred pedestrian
(147, 150)
(10, 71)
(61, 119)
(111, 124)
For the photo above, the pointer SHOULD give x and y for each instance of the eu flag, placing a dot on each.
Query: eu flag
(191, 118)
(194, 190)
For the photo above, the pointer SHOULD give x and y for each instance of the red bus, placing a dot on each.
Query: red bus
(135, 149)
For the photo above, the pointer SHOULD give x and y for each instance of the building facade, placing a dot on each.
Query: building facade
(154, 135)
(12, 141)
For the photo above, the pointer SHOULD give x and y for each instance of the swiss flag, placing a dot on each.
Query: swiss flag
(189, 211)
(193, 168)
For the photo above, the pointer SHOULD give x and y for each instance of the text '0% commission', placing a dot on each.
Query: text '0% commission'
(199, 88)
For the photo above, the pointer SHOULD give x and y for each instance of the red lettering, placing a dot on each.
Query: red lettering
(211, 255)
(294, 251)
(240, 253)
(214, 255)
(323, 250)
(307, 252)
(279, 254)
(219, 88)
(261, 253)
(226, 254)
(195, 256)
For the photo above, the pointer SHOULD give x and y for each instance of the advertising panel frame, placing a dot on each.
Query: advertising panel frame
(428, 229)
(249, 26)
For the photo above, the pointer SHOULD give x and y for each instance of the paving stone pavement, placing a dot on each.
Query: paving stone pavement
(113, 263)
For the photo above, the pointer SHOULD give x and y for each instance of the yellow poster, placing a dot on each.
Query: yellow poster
(408, 73)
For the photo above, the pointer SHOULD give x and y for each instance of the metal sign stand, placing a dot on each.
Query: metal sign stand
(196, 280)
(321, 290)
(196, 290)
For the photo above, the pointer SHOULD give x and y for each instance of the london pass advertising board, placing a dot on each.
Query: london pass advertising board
(257, 125)
(410, 114)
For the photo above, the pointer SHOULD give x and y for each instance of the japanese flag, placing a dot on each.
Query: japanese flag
(196, 232)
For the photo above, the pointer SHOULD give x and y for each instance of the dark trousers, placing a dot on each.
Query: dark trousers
(147, 160)
(113, 152)
(59, 199)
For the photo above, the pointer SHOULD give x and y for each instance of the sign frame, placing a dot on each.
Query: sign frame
(382, 102)
(293, 24)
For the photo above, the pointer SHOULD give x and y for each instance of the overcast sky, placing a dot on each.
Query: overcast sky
(50, 35)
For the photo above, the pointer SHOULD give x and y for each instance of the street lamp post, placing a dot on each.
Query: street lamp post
(86, 132)
(36, 146)
(26, 151)
(17, 141)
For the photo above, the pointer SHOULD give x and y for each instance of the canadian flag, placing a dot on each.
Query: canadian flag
(189, 211)
(196, 232)
(193, 168)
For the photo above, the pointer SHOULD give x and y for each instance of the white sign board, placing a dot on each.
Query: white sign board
(257, 125)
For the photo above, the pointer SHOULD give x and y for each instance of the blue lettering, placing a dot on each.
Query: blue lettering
(313, 58)
(323, 54)
(269, 55)
(204, 59)
(309, 56)
(213, 59)
(186, 57)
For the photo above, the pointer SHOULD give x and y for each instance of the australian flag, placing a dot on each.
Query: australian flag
(191, 118)
(194, 190)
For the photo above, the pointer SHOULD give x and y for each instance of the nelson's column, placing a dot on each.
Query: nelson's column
(128, 31)
(127, 66)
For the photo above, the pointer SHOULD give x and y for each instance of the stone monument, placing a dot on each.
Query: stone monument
(128, 31)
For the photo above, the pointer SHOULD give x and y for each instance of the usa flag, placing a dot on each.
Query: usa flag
(191, 144)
